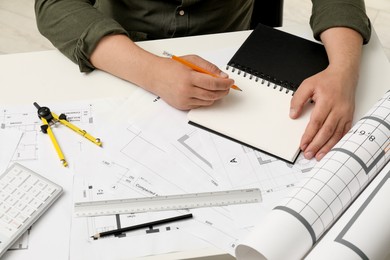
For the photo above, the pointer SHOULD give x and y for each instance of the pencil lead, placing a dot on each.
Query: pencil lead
(167, 54)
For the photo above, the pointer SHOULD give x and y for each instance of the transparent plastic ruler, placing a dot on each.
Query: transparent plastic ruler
(170, 202)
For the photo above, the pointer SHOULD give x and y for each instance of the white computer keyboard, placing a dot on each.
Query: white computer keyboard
(24, 196)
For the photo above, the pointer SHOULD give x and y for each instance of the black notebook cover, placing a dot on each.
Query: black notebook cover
(279, 57)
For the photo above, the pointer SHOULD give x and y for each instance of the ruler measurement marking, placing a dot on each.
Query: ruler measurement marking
(158, 203)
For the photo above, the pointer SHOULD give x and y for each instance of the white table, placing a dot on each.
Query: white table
(49, 77)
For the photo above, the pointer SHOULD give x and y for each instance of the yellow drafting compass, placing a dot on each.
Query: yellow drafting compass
(49, 118)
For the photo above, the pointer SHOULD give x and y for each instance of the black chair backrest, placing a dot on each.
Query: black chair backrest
(267, 12)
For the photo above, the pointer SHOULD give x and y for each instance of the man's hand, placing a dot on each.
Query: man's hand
(185, 88)
(333, 91)
(331, 118)
(177, 84)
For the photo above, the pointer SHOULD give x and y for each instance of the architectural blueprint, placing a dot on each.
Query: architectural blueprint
(156, 152)
(30, 145)
(26, 120)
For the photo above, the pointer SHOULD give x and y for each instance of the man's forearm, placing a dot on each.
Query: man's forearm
(120, 56)
(344, 47)
(177, 84)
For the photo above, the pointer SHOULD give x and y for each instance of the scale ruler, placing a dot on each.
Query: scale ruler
(170, 202)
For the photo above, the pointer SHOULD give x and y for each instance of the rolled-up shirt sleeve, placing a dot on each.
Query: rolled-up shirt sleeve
(340, 13)
(74, 27)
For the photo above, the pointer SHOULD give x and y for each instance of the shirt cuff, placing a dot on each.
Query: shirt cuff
(341, 15)
(87, 42)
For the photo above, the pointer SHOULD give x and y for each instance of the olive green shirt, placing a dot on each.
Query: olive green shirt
(76, 26)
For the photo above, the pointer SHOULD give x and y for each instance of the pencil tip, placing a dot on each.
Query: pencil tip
(236, 88)
(167, 54)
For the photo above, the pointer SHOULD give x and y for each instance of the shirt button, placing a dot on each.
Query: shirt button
(181, 12)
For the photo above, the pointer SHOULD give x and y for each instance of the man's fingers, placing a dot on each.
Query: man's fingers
(300, 98)
(208, 82)
(332, 130)
(195, 102)
(341, 130)
(208, 95)
(318, 117)
(204, 64)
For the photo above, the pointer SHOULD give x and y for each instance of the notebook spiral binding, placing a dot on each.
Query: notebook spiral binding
(280, 85)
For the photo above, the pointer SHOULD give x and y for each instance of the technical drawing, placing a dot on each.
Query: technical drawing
(25, 119)
(343, 173)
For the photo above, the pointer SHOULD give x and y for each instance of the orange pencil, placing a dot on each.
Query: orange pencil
(194, 67)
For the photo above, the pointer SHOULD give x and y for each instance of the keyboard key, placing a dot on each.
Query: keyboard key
(28, 210)
(25, 187)
(35, 203)
(6, 230)
(43, 196)
(18, 180)
(9, 189)
(4, 207)
(11, 200)
(27, 198)
(6, 219)
(3, 195)
(20, 205)
(21, 218)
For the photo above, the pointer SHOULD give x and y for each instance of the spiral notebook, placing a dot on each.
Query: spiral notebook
(268, 67)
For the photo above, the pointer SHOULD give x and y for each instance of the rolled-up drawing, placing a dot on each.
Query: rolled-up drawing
(294, 226)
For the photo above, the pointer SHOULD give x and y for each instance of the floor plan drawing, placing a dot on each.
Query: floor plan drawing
(26, 121)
